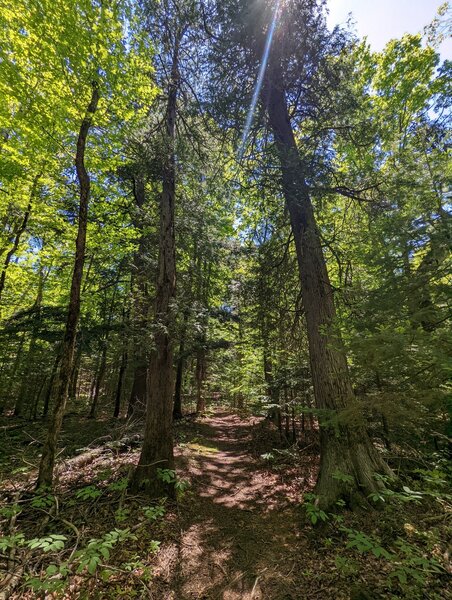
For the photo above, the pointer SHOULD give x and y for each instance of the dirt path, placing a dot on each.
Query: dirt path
(238, 537)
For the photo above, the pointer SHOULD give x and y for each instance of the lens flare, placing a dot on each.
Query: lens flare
(259, 81)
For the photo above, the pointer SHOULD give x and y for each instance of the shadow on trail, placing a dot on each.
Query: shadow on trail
(239, 537)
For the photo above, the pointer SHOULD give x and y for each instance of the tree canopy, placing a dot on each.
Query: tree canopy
(224, 206)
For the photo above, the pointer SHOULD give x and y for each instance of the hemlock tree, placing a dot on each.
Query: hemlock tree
(157, 449)
(299, 87)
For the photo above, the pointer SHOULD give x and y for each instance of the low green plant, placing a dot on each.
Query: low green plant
(49, 543)
(122, 514)
(99, 549)
(166, 475)
(7, 512)
(365, 543)
(346, 566)
(119, 486)
(313, 512)
(89, 492)
(154, 512)
(343, 477)
(43, 501)
(410, 563)
(268, 456)
(11, 541)
(154, 546)
(406, 495)
(169, 476)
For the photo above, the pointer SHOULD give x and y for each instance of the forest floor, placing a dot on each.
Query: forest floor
(239, 532)
(239, 535)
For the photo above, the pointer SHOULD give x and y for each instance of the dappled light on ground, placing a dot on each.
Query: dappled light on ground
(239, 534)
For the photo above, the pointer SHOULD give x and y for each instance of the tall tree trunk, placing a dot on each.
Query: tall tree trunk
(103, 359)
(157, 450)
(38, 393)
(50, 386)
(344, 448)
(122, 369)
(46, 467)
(72, 394)
(99, 381)
(200, 375)
(177, 406)
(18, 234)
(140, 298)
(120, 384)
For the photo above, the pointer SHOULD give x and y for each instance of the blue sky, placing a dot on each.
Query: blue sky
(382, 20)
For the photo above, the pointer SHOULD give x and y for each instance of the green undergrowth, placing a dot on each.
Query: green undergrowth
(401, 540)
(96, 535)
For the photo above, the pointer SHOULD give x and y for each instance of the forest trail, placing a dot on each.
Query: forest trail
(238, 537)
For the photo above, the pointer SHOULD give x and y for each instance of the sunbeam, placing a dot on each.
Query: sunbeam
(259, 81)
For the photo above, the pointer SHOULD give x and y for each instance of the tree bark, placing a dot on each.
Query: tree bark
(138, 395)
(139, 286)
(122, 369)
(157, 450)
(120, 384)
(200, 375)
(46, 467)
(344, 448)
(72, 394)
(99, 381)
(177, 406)
(50, 386)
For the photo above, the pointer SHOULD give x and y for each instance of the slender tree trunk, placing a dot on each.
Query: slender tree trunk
(200, 375)
(384, 420)
(24, 389)
(344, 448)
(50, 386)
(72, 395)
(37, 398)
(140, 322)
(46, 467)
(177, 407)
(120, 384)
(157, 450)
(18, 235)
(103, 360)
(99, 381)
(122, 369)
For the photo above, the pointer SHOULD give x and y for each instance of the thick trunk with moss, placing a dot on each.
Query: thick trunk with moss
(349, 461)
(46, 467)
